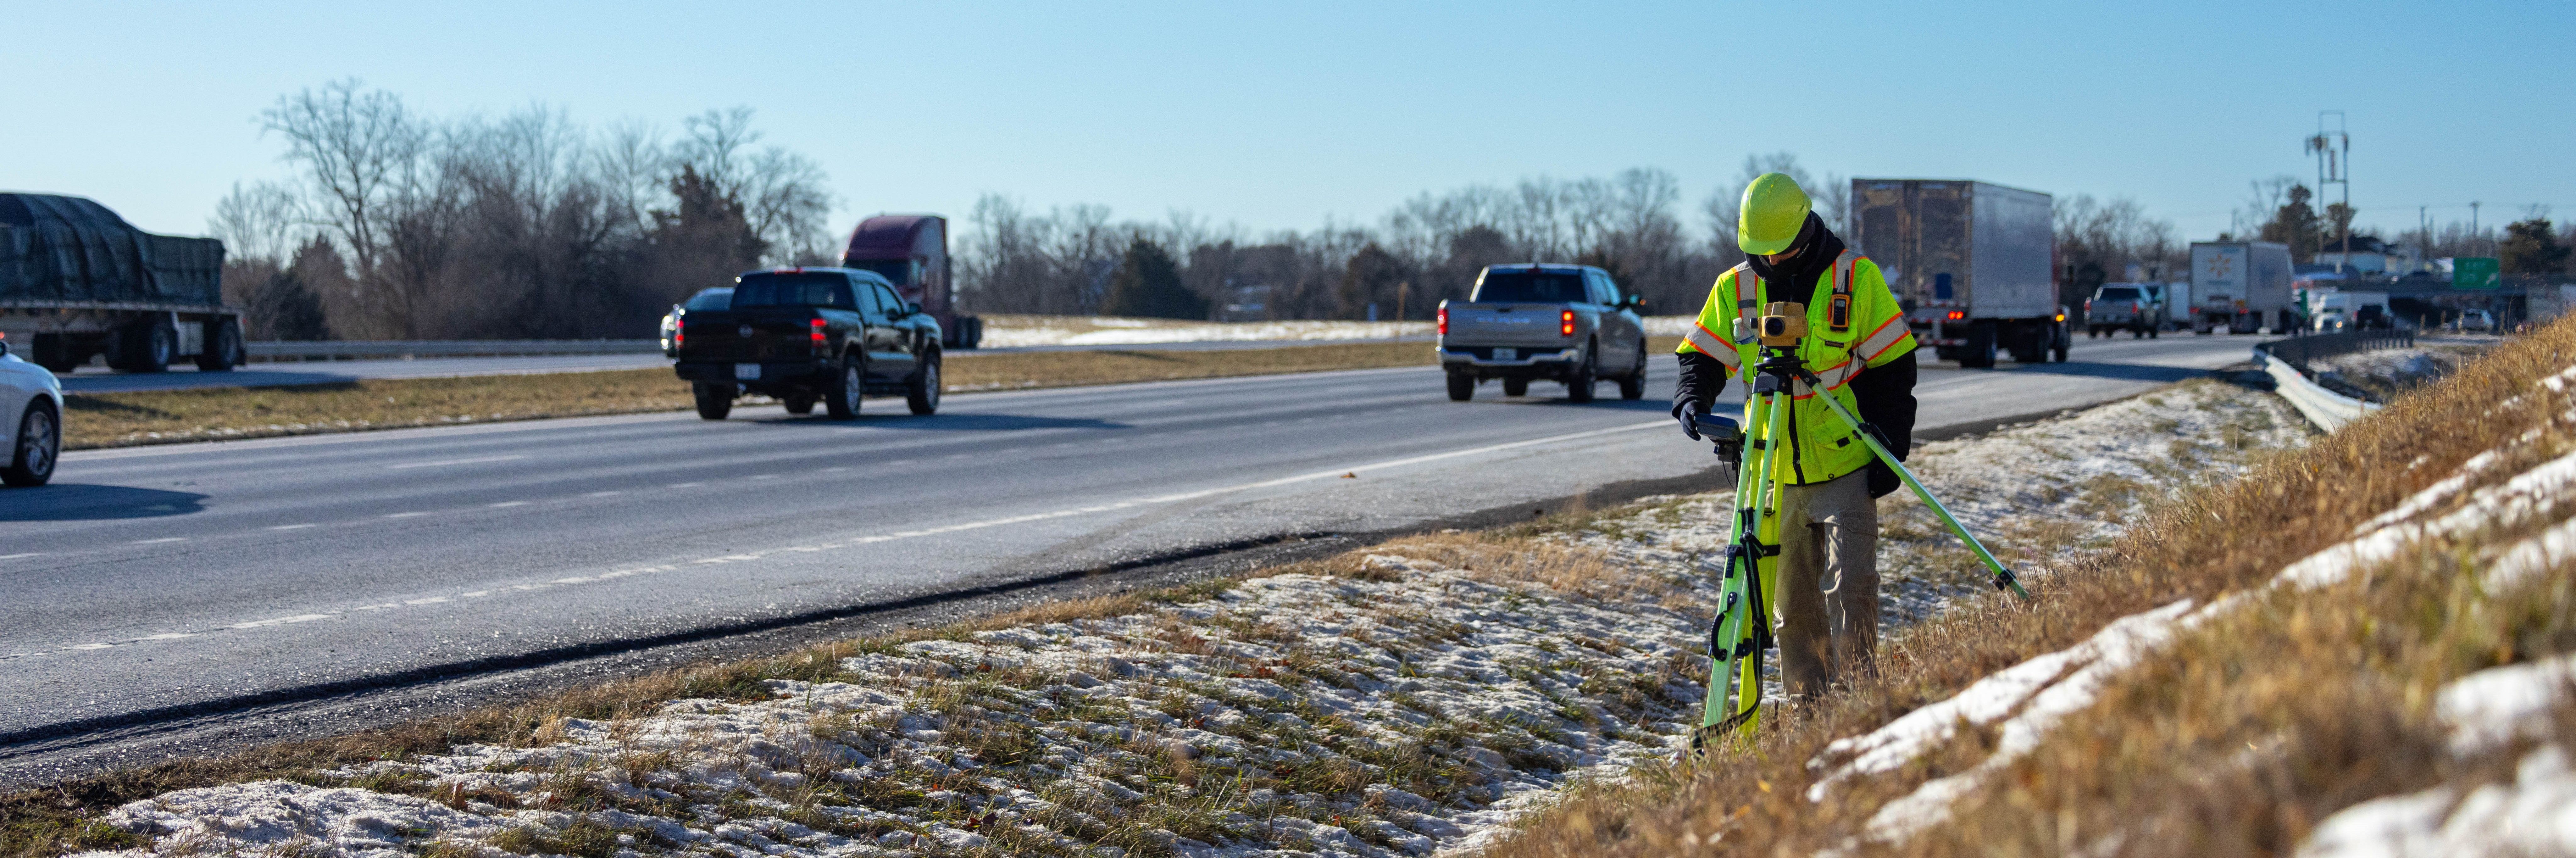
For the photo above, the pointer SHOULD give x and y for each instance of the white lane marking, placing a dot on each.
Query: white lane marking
(404, 514)
(159, 541)
(281, 621)
(764, 476)
(506, 504)
(293, 526)
(831, 470)
(683, 485)
(445, 462)
(25, 554)
(1328, 473)
(603, 494)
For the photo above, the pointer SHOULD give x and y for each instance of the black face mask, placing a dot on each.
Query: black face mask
(1818, 249)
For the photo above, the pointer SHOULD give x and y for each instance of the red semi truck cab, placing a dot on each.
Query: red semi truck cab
(911, 251)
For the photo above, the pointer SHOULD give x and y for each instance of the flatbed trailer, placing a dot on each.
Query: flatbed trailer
(77, 282)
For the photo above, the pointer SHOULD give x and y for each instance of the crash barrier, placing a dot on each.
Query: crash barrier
(2286, 361)
(2299, 350)
(296, 350)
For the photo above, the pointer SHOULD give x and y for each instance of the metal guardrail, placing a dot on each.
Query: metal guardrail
(2298, 350)
(408, 349)
(2286, 361)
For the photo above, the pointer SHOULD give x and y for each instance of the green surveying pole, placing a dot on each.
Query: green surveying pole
(2004, 579)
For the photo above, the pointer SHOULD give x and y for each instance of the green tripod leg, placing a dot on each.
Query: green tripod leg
(1738, 635)
(1869, 435)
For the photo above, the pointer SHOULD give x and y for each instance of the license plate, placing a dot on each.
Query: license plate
(1507, 354)
(746, 371)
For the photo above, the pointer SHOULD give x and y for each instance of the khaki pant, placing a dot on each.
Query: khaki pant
(1827, 608)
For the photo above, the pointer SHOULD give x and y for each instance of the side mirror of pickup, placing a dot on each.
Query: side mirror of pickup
(911, 308)
(1635, 302)
(4, 345)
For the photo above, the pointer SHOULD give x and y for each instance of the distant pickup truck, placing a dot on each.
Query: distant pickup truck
(1565, 323)
(2117, 307)
(807, 335)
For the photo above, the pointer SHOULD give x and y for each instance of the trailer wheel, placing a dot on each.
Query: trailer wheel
(1462, 387)
(1979, 352)
(223, 348)
(146, 346)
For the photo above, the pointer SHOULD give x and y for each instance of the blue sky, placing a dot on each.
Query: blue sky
(1280, 115)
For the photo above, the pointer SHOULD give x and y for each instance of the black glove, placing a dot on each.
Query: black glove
(1689, 417)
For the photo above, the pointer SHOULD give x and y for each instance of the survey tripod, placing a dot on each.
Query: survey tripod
(1742, 629)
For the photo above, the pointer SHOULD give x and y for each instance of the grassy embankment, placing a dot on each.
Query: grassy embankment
(162, 417)
(2247, 730)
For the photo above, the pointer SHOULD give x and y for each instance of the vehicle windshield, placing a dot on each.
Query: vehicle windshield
(1539, 287)
(800, 289)
(895, 271)
(710, 299)
(2118, 293)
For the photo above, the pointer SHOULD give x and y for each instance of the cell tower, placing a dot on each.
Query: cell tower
(2333, 149)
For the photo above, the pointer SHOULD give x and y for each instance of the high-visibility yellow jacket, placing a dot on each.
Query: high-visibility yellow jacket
(1853, 323)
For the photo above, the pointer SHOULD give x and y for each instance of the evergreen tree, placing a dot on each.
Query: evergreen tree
(1148, 283)
(1372, 276)
(2531, 247)
(2296, 224)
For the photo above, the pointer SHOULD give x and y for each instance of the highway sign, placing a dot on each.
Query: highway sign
(2476, 272)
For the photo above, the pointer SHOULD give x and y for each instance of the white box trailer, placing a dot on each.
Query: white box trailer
(1969, 260)
(2243, 286)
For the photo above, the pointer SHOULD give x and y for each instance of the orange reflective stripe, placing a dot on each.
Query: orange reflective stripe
(1834, 376)
(1709, 343)
(1888, 336)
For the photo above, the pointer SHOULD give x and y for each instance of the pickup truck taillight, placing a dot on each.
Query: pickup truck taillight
(816, 325)
(1565, 323)
(1444, 321)
(679, 331)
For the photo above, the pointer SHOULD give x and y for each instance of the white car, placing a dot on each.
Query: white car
(2477, 320)
(31, 400)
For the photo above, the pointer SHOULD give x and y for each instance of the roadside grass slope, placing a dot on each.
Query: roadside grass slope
(2180, 694)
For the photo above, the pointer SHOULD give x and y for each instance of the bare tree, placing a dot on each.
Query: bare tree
(358, 150)
(781, 191)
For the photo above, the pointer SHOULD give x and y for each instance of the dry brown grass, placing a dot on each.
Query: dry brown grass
(2237, 743)
(169, 416)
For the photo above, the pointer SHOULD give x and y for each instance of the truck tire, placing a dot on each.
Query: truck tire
(1979, 352)
(35, 448)
(1515, 387)
(798, 403)
(714, 400)
(1633, 385)
(841, 394)
(1578, 389)
(2152, 332)
(146, 346)
(223, 347)
(1462, 387)
(922, 393)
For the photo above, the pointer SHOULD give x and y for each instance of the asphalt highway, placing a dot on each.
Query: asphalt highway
(97, 378)
(149, 582)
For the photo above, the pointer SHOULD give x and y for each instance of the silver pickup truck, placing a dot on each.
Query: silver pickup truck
(1564, 323)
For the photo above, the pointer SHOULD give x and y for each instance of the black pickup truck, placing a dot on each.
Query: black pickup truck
(807, 335)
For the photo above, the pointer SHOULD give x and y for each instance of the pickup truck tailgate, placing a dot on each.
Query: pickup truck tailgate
(745, 337)
(1472, 324)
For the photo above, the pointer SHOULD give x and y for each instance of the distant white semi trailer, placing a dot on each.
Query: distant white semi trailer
(1970, 261)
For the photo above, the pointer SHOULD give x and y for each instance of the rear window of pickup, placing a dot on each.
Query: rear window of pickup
(1531, 287)
(793, 290)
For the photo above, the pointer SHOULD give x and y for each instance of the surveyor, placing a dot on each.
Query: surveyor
(1825, 612)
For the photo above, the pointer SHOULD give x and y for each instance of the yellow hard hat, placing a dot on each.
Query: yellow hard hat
(1773, 211)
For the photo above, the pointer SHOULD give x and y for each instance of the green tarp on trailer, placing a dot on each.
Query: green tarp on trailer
(58, 248)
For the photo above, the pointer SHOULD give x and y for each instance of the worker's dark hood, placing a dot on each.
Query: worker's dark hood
(1821, 247)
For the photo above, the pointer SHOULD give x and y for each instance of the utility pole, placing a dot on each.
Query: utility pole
(2475, 234)
(2333, 149)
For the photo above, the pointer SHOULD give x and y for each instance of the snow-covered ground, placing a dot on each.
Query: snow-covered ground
(1413, 702)
(1011, 331)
